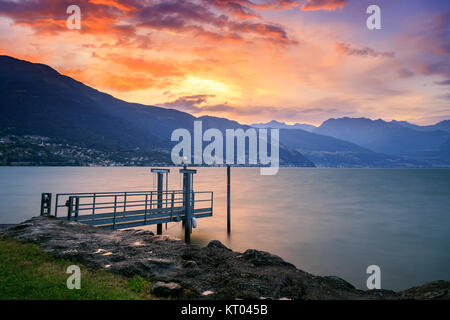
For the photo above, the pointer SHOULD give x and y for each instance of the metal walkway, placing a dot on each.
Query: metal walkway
(117, 210)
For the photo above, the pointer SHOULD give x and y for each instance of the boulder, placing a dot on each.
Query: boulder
(165, 289)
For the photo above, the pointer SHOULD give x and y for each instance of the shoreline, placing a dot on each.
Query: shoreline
(210, 272)
(445, 167)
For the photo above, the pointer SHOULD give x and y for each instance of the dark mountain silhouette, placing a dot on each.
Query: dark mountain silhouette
(394, 138)
(342, 144)
(328, 151)
(323, 150)
(37, 100)
(443, 125)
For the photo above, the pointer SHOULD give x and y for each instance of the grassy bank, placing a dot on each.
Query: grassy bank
(26, 272)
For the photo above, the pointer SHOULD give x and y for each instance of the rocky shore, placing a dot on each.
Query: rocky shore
(187, 271)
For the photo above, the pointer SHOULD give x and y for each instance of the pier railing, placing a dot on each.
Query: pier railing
(126, 209)
(115, 210)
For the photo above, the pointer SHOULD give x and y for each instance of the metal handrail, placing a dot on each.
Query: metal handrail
(96, 195)
(169, 201)
(134, 208)
(121, 192)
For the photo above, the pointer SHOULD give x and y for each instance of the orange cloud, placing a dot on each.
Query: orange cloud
(214, 19)
(125, 83)
(122, 5)
(45, 25)
(156, 69)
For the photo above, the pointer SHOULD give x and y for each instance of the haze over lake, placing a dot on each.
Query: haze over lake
(325, 221)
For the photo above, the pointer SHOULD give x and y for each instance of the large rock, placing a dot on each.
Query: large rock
(165, 289)
(170, 265)
(436, 290)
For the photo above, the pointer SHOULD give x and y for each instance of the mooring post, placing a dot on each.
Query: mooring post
(70, 208)
(160, 199)
(159, 203)
(145, 211)
(46, 204)
(184, 195)
(188, 203)
(77, 207)
(228, 199)
(115, 211)
(187, 214)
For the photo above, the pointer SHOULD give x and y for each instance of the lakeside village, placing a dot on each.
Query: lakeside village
(36, 150)
(33, 150)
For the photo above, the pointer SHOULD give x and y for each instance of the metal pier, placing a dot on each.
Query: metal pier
(118, 210)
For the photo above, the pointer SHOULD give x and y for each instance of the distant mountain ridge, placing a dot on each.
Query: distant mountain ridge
(281, 125)
(374, 143)
(395, 138)
(326, 151)
(443, 125)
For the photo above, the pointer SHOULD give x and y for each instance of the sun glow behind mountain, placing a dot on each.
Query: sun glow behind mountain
(253, 61)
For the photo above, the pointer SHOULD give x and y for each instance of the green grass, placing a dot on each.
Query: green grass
(26, 272)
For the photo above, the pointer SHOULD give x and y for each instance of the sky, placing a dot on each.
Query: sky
(252, 61)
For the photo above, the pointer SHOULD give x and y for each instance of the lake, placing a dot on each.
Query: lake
(325, 221)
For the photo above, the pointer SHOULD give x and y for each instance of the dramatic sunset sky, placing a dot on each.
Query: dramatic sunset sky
(249, 60)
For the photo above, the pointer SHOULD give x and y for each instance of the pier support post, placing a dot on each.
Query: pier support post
(228, 199)
(69, 208)
(184, 198)
(160, 174)
(187, 215)
(46, 204)
(77, 207)
(160, 200)
(188, 202)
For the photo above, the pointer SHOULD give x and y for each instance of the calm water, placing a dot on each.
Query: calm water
(325, 221)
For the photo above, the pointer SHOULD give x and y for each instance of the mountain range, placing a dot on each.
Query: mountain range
(281, 125)
(429, 144)
(37, 100)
